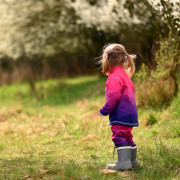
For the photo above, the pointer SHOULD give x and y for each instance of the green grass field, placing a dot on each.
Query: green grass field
(57, 133)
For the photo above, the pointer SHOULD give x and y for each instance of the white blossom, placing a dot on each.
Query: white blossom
(156, 4)
(105, 16)
(25, 29)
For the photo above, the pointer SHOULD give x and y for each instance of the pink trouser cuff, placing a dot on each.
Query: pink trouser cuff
(122, 135)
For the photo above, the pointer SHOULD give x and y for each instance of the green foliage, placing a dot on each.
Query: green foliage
(153, 93)
(142, 74)
(169, 12)
(151, 120)
(157, 87)
(167, 57)
(52, 92)
(1, 147)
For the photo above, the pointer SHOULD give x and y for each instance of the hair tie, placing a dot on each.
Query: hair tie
(126, 54)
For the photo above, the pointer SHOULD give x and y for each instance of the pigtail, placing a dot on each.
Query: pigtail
(129, 64)
(105, 64)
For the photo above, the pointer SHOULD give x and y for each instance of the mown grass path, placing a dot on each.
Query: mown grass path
(58, 134)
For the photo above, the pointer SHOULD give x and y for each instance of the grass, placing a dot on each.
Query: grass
(57, 133)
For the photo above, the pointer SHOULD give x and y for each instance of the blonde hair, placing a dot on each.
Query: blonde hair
(115, 54)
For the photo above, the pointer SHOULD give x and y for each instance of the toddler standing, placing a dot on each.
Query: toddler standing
(120, 104)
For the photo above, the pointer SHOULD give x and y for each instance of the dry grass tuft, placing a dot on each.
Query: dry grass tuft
(82, 105)
(165, 116)
(153, 93)
(90, 137)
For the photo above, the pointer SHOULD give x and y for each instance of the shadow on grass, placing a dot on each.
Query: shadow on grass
(64, 93)
(24, 168)
(16, 168)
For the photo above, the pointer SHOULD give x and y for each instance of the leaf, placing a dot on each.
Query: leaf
(90, 137)
(44, 171)
(107, 171)
(26, 177)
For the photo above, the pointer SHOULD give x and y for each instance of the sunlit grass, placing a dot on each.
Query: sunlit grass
(57, 133)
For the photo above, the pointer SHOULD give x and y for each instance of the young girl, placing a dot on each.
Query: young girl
(120, 104)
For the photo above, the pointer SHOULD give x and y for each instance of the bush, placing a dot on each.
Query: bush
(151, 120)
(156, 88)
(153, 93)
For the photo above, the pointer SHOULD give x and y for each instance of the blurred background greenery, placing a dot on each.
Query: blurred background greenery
(51, 88)
(42, 39)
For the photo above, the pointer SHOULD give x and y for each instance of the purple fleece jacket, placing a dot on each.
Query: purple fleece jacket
(120, 99)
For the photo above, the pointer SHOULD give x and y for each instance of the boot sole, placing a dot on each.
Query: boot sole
(123, 168)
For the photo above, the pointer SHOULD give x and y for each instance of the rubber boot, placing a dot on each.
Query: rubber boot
(133, 156)
(124, 159)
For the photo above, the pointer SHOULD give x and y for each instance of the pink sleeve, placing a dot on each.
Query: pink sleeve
(113, 94)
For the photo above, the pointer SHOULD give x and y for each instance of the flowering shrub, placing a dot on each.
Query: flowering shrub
(106, 15)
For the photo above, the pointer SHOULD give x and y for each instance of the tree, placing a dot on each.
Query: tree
(170, 14)
(33, 27)
(132, 23)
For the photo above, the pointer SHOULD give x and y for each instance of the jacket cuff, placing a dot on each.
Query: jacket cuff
(102, 113)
